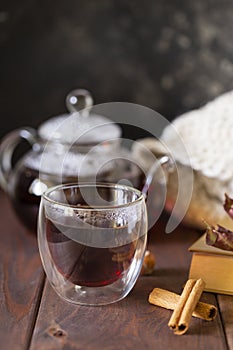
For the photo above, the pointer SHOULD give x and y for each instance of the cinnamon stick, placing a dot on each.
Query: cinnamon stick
(181, 316)
(148, 265)
(169, 300)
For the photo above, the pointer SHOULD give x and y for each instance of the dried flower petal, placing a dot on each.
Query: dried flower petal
(228, 205)
(219, 237)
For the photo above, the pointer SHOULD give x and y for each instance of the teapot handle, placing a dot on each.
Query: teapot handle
(167, 164)
(7, 148)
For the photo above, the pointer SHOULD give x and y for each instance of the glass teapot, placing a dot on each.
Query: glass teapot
(78, 146)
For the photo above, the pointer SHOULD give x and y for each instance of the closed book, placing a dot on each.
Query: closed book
(213, 265)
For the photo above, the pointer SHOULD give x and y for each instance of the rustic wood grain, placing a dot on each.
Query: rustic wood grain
(129, 324)
(132, 323)
(226, 307)
(21, 280)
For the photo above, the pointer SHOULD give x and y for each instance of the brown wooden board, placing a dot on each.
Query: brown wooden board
(29, 322)
(132, 323)
(226, 309)
(21, 280)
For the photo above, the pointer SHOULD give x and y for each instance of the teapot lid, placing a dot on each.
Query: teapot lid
(80, 126)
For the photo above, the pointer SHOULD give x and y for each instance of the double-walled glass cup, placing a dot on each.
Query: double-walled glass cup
(92, 240)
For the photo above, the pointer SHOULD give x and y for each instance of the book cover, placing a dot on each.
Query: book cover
(213, 265)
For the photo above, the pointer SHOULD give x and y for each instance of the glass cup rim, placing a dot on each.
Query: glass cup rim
(46, 194)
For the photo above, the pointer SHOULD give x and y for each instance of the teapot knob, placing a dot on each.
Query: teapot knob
(79, 100)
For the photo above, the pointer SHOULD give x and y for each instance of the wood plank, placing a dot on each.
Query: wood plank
(129, 324)
(132, 323)
(226, 309)
(21, 280)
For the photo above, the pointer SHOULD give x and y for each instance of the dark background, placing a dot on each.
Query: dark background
(170, 55)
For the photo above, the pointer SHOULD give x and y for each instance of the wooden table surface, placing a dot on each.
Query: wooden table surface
(32, 316)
